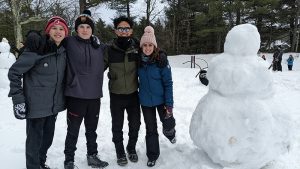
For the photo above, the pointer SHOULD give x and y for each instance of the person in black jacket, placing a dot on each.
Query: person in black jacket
(36, 88)
(84, 79)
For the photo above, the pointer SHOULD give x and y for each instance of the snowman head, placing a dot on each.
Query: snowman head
(4, 46)
(242, 40)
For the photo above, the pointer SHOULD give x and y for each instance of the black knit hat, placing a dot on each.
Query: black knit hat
(85, 18)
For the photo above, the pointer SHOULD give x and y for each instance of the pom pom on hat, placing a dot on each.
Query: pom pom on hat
(148, 36)
(56, 20)
(85, 18)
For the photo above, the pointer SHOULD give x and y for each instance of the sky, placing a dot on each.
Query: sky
(188, 92)
(138, 9)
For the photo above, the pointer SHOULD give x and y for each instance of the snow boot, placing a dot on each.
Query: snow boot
(132, 155)
(121, 159)
(95, 162)
(151, 163)
(44, 166)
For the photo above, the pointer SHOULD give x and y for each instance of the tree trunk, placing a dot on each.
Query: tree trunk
(15, 9)
(128, 8)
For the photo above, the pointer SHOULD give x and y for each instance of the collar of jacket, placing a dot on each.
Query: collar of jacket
(83, 40)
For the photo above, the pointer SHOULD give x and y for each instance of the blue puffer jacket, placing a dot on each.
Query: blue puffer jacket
(290, 61)
(155, 85)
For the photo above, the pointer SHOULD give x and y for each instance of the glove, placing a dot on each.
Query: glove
(20, 111)
(203, 78)
(95, 41)
(169, 112)
(34, 41)
(163, 59)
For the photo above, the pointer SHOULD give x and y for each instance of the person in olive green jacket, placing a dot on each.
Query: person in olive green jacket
(121, 59)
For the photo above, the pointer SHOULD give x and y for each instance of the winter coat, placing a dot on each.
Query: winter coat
(122, 66)
(43, 82)
(290, 60)
(85, 67)
(156, 85)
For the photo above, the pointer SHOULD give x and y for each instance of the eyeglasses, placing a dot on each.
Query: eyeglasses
(123, 29)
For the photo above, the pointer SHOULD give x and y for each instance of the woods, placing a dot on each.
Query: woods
(188, 26)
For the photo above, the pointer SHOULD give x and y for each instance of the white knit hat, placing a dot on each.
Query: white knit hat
(148, 36)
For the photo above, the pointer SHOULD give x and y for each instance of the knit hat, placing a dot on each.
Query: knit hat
(56, 20)
(85, 18)
(148, 36)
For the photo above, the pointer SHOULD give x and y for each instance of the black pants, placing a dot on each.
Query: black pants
(118, 104)
(290, 67)
(152, 143)
(40, 132)
(77, 110)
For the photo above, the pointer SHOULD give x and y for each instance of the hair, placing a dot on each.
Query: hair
(118, 20)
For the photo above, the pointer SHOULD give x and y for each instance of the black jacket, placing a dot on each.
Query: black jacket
(43, 82)
(85, 67)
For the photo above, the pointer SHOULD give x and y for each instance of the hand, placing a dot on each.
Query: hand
(163, 59)
(95, 41)
(203, 78)
(34, 41)
(169, 112)
(20, 111)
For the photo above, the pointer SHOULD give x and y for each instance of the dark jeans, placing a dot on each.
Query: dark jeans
(77, 110)
(152, 143)
(40, 132)
(290, 67)
(118, 104)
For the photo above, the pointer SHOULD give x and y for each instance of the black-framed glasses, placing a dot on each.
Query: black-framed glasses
(123, 29)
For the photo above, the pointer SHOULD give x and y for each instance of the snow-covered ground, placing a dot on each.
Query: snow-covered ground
(182, 155)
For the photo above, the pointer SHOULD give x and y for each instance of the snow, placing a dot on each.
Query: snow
(239, 122)
(184, 154)
(6, 60)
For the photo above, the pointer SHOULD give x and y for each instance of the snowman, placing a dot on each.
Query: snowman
(237, 123)
(6, 60)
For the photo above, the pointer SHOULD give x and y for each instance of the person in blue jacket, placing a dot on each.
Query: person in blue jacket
(155, 93)
(290, 62)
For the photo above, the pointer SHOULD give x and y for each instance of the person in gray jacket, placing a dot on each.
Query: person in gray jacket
(84, 79)
(40, 97)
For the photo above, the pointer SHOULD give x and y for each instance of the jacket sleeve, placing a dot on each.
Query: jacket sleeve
(15, 74)
(168, 85)
(106, 63)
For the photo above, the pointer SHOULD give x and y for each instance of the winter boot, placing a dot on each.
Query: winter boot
(151, 163)
(132, 155)
(44, 166)
(69, 165)
(95, 162)
(121, 159)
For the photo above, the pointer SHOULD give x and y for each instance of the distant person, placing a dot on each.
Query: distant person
(263, 57)
(156, 94)
(36, 88)
(277, 58)
(290, 62)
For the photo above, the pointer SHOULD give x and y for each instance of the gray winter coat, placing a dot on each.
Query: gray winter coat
(43, 82)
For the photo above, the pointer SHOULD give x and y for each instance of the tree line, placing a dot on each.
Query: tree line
(188, 26)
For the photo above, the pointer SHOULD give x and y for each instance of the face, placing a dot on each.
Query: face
(84, 31)
(123, 29)
(57, 33)
(148, 48)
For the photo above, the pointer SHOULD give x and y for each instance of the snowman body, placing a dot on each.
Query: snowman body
(233, 123)
(6, 60)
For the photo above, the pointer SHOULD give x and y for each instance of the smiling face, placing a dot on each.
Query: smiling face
(84, 31)
(57, 34)
(148, 48)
